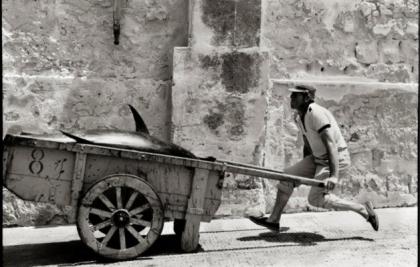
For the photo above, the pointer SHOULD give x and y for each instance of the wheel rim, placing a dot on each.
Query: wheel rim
(120, 217)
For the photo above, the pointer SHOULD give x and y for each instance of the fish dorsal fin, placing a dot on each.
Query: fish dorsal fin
(140, 125)
(76, 138)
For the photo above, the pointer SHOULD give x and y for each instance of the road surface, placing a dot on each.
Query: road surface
(306, 239)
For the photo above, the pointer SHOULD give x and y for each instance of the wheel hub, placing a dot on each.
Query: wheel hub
(120, 218)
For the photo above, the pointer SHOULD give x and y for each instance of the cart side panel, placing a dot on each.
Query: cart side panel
(172, 182)
(40, 174)
(213, 195)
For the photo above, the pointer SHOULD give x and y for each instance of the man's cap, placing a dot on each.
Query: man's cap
(304, 89)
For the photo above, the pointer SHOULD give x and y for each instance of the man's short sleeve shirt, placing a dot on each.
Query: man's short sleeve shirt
(317, 119)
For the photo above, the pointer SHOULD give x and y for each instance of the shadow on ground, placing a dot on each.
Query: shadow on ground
(302, 238)
(75, 251)
(46, 254)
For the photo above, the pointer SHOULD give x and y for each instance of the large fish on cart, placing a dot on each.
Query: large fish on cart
(140, 139)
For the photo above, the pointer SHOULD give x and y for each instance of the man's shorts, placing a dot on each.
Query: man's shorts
(319, 169)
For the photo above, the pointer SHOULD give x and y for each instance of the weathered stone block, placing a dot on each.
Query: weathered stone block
(346, 22)
(221, 96)
(367, 53)
(362, 158)
(383, 29)
(391, 51)
(389, 73)
(219, 107)
(225, 23)
(367, 8)
(412, 29)
(156, 11)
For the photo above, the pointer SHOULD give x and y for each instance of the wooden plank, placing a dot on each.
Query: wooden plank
(77, 182)
(213, 193)
(195, 210)
(39, 174)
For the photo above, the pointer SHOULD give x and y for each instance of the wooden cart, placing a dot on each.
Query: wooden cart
(121, 198)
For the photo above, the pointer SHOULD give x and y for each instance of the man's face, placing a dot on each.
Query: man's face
(297, 100)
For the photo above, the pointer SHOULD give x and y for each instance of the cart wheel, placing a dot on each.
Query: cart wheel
(120, 217)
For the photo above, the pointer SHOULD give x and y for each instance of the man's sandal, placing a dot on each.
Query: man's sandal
(262, 221)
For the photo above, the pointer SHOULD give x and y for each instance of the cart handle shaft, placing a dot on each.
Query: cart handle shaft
(233, 167)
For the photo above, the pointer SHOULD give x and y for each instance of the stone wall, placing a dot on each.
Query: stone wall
(363, 39)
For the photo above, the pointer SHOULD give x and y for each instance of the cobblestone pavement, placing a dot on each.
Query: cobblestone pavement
(306, 239)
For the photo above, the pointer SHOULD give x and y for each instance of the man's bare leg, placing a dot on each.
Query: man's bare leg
(282, 198)
(336, 203)
(332, 201)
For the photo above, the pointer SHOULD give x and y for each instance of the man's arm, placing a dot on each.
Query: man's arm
(332, 151)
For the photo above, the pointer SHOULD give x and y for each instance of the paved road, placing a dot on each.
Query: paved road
(306, 239)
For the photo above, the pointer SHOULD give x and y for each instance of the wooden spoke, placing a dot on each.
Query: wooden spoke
(101, 225)
(141, 222)
(139, 209)
(107, 203)
(109, 235)
(123, 244)
(119, 199)
(102, 213)
(131, 200)
(135, 234)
